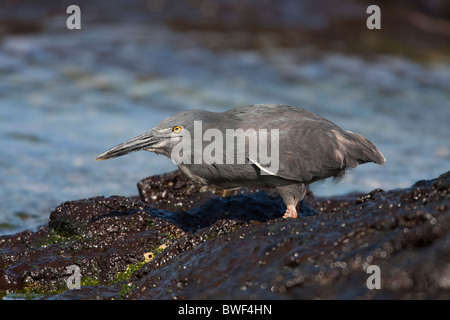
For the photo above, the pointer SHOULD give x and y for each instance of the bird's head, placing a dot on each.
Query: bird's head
(161, 139)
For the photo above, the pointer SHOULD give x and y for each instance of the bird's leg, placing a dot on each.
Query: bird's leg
(228, 192)
(292, 194)
(291, 212)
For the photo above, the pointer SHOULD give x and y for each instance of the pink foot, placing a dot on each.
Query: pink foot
(290, 212)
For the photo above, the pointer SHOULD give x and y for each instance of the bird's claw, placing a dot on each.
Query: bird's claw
(290, 213)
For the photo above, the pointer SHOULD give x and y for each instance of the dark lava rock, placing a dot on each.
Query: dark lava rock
(180, 241)
(418, 28)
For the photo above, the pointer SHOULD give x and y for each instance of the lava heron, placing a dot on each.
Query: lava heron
(279, 147)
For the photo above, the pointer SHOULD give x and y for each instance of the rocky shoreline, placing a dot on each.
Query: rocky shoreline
(177, 240)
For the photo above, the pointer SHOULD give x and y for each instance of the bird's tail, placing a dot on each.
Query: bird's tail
(362, 151)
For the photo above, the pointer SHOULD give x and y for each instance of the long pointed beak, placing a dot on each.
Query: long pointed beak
(142, 142)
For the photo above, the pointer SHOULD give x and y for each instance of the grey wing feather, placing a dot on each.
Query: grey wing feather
(310, 147)
(323, 150)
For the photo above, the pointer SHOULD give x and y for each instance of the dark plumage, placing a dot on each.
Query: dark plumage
(310, 148)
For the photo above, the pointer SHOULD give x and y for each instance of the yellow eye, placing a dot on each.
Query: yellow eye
(176, 129)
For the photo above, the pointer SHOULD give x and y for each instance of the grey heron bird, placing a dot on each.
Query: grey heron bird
(279, 147)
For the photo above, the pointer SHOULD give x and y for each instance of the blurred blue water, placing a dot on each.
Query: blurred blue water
(65, 98)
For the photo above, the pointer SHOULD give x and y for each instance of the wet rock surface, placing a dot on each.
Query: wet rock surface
(179, 241)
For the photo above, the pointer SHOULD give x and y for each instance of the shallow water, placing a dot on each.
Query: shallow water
(67, 97)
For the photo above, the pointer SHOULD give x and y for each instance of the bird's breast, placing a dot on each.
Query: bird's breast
(227, 175)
